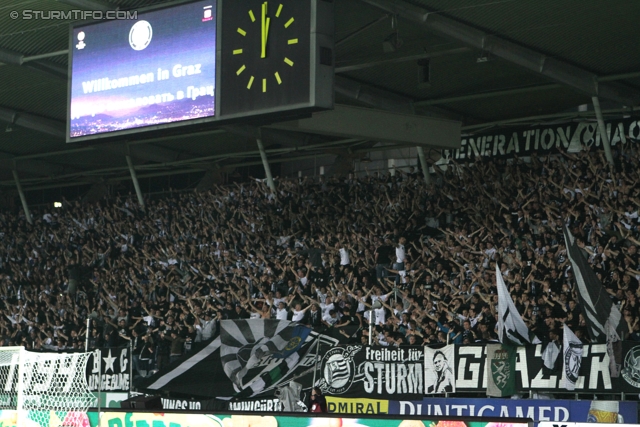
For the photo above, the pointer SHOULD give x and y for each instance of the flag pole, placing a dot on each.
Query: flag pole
(86, 339)
(315, 365)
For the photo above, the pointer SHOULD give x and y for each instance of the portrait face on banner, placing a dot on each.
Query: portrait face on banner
(440, 370)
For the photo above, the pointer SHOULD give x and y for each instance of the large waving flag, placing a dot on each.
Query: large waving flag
(248, 358)
(511, 327)
(572, 357)
(596, 304)
(251, 348)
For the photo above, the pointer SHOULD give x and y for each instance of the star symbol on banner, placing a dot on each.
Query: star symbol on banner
(108, 362)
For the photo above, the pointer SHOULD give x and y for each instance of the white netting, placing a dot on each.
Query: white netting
(46, 389)
(9, 366)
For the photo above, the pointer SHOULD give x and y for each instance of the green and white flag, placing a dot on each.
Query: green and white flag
(501, 378)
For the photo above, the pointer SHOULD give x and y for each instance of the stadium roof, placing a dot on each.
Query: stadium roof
(489, 62)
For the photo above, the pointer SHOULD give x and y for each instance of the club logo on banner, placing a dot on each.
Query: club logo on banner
(631, 369)
(502, 364)
(439, 368)
(572, 358)
(108, 369)
(500, 368)
(383, 371)
(254, 352)
(338, 369)
(572, 361)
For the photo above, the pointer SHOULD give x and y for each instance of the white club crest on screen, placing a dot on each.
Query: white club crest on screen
(140, 35)
(208, 14)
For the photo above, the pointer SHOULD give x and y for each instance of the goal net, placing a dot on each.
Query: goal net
(43, 389)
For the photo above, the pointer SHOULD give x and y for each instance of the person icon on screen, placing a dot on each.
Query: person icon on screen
(81, 44)
(445, 379)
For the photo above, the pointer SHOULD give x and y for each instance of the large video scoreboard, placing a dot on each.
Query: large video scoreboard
(208, 61)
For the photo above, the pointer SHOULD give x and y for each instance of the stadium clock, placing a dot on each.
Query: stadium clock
(266, 54)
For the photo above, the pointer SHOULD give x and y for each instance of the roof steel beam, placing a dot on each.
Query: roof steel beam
(388, 101)
(31, 121)
(32, 167)
(556, 69)
(192, 164)
(152, 153)
(378, 125)
(359, 65)
(16, 58)
(380, 99)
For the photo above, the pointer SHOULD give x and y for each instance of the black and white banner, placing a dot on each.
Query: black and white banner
(356, 371)
(523, 141)
(630, 369)
(108, 369)
(372, 371)
(439, 370)
(398, 373)
(251, 358)
(531, 374)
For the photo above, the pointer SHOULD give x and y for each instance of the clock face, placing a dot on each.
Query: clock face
(265, 54)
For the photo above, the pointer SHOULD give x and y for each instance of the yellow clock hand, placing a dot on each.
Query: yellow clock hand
(266, 23)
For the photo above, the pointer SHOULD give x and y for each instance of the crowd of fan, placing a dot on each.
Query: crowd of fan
(321, 252)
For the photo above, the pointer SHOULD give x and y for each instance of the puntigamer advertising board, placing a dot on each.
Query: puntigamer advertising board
(539, 410)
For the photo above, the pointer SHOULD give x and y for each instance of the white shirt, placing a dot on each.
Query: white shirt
(400, 254)
(297, 316)
(491, 252)
(344, 257)
(281, 314)
(375, 298)
(326, 308)
(361, 306)
(151, 321)
(330, 320)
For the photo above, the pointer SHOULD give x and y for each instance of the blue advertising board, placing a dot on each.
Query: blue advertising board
(538, 410)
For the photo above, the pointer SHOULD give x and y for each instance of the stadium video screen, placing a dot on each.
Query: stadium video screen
(158, 69)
